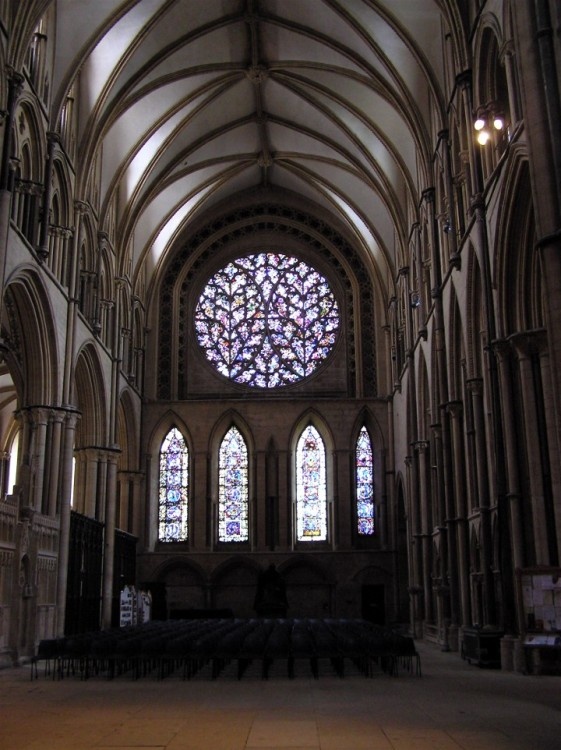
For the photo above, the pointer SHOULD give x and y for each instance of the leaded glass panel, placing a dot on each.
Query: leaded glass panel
(364, 484)
(173, 490)
(267, 320)
(311, 491)
(233, 489)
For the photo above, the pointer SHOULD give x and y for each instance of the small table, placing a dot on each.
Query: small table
(482, 646)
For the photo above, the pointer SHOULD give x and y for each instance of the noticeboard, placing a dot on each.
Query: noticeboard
(539, 597)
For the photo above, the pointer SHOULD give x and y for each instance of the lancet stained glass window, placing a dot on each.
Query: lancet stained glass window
(364, 484)
(267, 320)
(311, 491)
(233, 489)
(173, 490)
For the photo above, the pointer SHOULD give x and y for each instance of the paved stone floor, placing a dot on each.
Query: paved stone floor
(453, 706)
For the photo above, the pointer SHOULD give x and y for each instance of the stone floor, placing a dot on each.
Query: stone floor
(452, 706)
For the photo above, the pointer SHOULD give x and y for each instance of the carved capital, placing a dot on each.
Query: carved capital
(454, 408)
(475, 386)
(528, 343)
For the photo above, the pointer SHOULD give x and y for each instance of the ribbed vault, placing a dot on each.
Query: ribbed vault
(183, 104)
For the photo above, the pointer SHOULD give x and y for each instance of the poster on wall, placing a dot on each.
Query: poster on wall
(135, 607)
(128, 610)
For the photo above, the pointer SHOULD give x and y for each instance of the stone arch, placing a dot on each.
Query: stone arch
(369, 420)
(127, 431)
(104, 293)
(491, 94)
(272, 218)
(230, 418)
(60, 232)
(312, 416)
(309, 587)
(87, 282)
(456, 348)
(476, 327)
(234, 584)
(28, 138)
(185, 585)
(88, 394)
(30, 333)
(128, 510)
(520, 298)
(375, 586)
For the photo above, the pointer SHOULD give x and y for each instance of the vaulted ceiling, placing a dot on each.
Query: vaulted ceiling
(196, 101)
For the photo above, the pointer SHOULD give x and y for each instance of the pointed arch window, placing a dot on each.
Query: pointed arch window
(364, 476)
(311, 487)
(173, 490)
(233, 488)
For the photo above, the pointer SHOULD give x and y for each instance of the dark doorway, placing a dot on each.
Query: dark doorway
(374, 603)
(85, 567)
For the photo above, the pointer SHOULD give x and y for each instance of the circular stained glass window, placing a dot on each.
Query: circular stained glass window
(267, 320)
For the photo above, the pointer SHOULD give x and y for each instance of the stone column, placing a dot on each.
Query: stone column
(57, 419)
(90, 487)
(258, 502)
(416, 587)
(4, 473)
(421, 447)
(135, 516)
(109, 542)
(38, 417)
(525, 346)
(102, 487)
(65, 510)
(549, 410)
(200, 515)
(503, 351)
(271, 496)
(43, 244)
(475, 387)
(383, 504)
(15, 86)
(343, 515)
(455, 409)
(285, 503)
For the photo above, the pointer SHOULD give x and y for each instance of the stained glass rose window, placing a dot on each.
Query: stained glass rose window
(267, 320)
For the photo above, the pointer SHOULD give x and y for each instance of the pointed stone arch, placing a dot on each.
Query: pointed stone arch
(89, 395)
(185, 586)
(309, 587)
(520, 293)
(30, 332)
(234, 584)
(476, 326)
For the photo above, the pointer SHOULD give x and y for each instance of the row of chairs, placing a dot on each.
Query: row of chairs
(186, 647)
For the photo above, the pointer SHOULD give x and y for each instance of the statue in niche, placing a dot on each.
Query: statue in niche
(270, 599)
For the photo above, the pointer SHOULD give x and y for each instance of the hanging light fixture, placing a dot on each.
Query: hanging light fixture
(487, 119)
